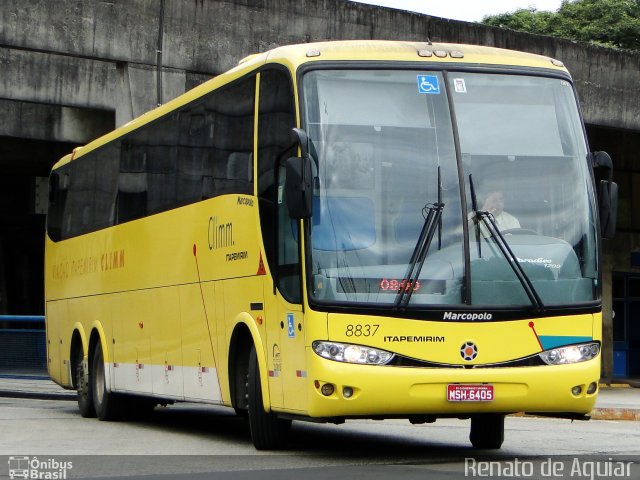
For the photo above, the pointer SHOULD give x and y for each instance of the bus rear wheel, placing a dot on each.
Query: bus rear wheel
(268, 432)
(83, 387)
(107, 404)
(487, 431)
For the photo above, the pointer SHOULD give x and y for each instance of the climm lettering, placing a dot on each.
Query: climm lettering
(112, 260)
(219, 235)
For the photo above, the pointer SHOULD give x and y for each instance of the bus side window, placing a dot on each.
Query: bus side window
(240, 171)
(195, 176)
(288, 274)
(191, 171)
(58, 183)
(83, 193)
(275, 145)
(161, 165)
(80, 197)
(106, 185)
(234, 107)
(132, 183)
(132, 195)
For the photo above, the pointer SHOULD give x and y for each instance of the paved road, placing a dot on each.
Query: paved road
(194, 440)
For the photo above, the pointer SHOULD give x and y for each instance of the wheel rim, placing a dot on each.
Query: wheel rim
(83, 383)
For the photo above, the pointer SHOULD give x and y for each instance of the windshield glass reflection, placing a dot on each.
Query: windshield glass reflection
(386, 155)
(524, 150)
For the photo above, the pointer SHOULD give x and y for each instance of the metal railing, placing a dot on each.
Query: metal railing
(23, 349)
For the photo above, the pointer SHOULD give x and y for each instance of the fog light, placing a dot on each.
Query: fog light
(577, 390)
(593, 386)
(327, 389)
(347, 392)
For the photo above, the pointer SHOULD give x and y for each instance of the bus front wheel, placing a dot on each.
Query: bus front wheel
(487, 431)
(268, 432)
(107, 404)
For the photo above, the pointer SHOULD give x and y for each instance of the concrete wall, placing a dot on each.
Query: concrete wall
(102, 54)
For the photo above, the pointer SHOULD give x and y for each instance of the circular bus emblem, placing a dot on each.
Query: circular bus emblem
(469, 351)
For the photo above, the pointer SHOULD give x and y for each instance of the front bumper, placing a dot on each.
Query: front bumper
(384, 391)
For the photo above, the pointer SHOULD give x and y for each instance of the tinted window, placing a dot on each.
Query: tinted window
(200, 151)
(275, 145)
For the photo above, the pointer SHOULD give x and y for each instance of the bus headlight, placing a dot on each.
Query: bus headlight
(344, 352)
(570, 354)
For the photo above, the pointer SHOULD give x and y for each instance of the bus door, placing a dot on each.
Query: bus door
(284, 316)
(285, 352)
(283, 295)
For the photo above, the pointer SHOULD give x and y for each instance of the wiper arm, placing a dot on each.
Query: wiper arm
(474, 206)
(492, 227)
(431, 221)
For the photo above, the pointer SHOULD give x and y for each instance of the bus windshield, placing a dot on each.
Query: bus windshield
(398, 213)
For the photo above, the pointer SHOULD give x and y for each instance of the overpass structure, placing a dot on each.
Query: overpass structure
(73, 70)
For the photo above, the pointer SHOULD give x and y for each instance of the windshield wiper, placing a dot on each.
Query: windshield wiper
(474, 206)
(431, 222)
(491, 225)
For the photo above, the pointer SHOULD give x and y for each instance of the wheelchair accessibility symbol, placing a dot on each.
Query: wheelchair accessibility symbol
(291, 329)
(428, 84)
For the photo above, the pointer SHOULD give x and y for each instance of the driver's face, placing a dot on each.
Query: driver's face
(495, 203)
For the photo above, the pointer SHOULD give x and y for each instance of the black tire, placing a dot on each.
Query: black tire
(242, 413)
(108, 405)
(268, 432)
(487, 431)
(83, 386)
(241, 404)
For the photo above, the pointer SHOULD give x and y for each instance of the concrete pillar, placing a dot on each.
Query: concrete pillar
(136, 87)
(607, 317)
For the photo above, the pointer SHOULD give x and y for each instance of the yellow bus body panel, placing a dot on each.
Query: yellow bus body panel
(148, 287)
(403, 391)
(441, 342)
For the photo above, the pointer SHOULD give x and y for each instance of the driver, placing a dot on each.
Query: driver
(494, 204)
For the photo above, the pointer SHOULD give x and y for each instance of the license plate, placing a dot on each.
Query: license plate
(470, 393)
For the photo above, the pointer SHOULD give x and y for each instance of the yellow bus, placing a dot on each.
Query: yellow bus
(340, 230)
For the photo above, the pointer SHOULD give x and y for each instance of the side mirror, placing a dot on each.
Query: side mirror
(299, 187)
(602, 160)
(607, 193)
(608, 207)
(302, 139)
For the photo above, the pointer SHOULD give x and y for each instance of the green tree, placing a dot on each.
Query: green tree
(614, 23)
